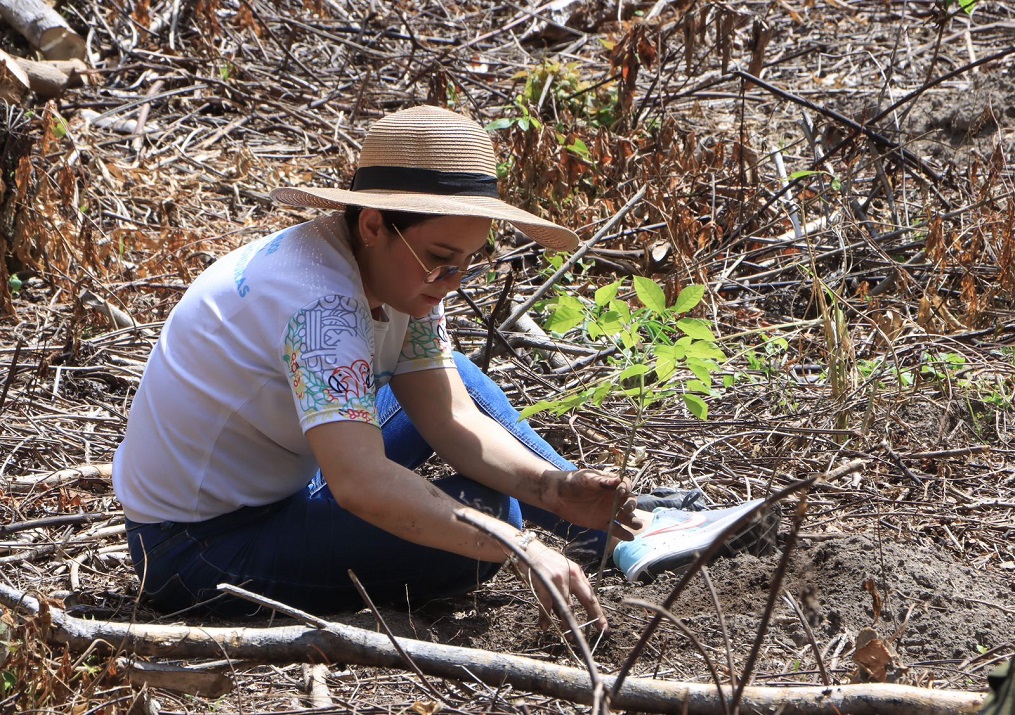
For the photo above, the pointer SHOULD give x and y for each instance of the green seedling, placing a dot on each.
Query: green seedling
(662, 352)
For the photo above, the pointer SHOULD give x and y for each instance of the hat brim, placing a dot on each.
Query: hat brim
(540, 230)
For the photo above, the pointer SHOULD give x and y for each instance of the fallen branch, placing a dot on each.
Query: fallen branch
(342, 643)
(44, 28)
(572, 260)
(53, 78)
(87, 475)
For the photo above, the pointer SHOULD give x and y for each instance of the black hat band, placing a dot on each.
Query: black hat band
(429, 181)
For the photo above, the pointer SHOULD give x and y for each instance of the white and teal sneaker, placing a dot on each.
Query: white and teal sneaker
(675, 537)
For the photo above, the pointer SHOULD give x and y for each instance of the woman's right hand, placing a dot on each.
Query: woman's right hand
(567, 577)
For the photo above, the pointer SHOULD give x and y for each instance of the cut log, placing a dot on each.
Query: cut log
(44, 28)
(339, 643)
(14, 83)
(51, 79)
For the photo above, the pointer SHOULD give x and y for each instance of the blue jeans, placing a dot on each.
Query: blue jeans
(300, 550)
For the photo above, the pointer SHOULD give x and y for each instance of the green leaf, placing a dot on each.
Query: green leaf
(802, 174)
(702, 369)
(633, 371)
(703, 349)
(541, 406)
(673, 352)
(59, 128)
(968, 6)
(498, 124)
(699, 386)
(601, 393)
(622, 309)
(689, 297)
(579, 148)
(610, 323)
(668, 358)
(607, 293)
(697, 329)
(564, 318)
(696, 405)
(14, 283)
(651, 294)
(665, 369)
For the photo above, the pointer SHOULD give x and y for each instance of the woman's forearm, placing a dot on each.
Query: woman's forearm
(405, 504)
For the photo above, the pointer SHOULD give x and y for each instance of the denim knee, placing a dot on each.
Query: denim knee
(482, 498)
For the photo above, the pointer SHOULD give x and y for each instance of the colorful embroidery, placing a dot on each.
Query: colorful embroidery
(320, 348)
(427, 338)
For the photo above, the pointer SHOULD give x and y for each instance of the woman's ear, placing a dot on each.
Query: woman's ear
(371, 225)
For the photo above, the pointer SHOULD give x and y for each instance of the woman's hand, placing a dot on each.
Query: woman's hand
(587, 497)
(567, 577)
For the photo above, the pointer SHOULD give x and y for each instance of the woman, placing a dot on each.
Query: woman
(322, 349)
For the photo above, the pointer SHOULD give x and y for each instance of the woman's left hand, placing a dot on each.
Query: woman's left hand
(587, 497)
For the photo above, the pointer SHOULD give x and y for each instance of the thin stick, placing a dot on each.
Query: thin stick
(394, 641)
(562, 607)
(572, 260)
(773, 594)
(285, 609)
(659, 610)
(810, 636)
(975, 449)
(897, 461)
(60, 520)
(880, 139)
(722, 624)
(10, 373)
(704, 558)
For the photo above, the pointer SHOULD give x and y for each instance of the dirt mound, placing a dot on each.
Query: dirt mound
(938, 614)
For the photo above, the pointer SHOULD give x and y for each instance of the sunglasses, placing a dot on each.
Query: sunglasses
(440, 273)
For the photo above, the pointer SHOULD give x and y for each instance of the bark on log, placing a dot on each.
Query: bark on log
(94, 476)
(14, 83)
(51, 79)
(346, 644)
(44, 28)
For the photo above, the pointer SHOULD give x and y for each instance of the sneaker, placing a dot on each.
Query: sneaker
(667, 498)
(675, 538)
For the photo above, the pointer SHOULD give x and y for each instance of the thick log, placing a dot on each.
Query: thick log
(51, 79)
(340, 643)
(14, 83)
(44, 28)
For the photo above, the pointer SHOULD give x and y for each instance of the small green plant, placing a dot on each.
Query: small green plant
(941, 366)
(967, 5)
(59, 127)
(662, 352)
(836, 183)
(770, 358)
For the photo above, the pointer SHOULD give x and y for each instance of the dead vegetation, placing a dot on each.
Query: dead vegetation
(839, 175)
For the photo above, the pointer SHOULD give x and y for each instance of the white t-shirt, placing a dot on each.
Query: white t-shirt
(273, 339)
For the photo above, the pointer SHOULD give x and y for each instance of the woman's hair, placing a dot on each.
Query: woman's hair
(401, 220)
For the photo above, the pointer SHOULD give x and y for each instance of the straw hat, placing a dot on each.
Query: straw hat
(431, 161)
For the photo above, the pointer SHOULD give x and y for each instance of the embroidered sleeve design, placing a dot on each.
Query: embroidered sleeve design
(328, 353)
(426, 340)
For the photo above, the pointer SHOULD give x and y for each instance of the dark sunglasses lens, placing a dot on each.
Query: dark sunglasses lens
(441, 273)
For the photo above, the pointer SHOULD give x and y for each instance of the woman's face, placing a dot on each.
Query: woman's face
(393, 276)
